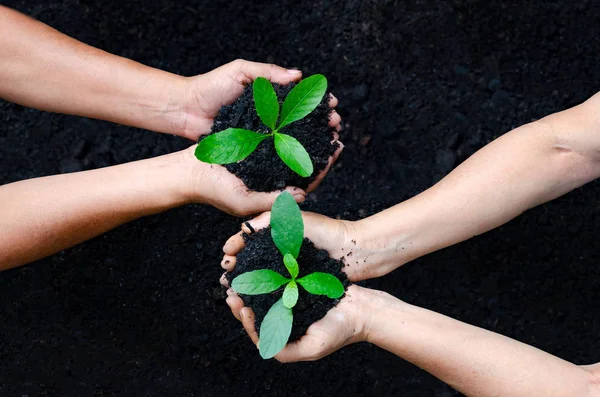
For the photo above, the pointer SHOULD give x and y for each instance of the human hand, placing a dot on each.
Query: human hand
(348, 322)
(364, 256)
(213, 184)
(205, 94)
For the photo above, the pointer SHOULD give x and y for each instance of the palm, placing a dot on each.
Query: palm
(322, 338)
(208, 92)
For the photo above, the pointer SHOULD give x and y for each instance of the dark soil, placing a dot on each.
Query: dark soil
(263, 170)
(422, 85)
(261, 253)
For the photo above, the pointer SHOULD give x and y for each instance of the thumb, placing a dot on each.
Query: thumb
(274, 73)
(264, 201)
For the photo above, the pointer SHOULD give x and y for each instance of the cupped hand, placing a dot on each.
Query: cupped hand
(207, 93)
(213, 184)
(341, 239)
(348, 322)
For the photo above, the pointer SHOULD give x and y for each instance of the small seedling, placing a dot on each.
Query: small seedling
(235, 144)
(287, 232)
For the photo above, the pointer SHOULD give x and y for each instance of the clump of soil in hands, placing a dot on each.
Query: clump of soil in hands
(263, 170)
(261, 253)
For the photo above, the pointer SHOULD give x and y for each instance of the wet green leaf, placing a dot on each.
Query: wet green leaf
(228, 146)
(291, 264)
(322, 284)
(293, 154)
(275, 330)
(287, 227)
(290, 294)
(258, 282)
(303, 99)
(266, 102)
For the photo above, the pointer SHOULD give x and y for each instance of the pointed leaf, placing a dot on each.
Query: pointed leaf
(290, 295)
(265, 100)
(292, 265)
(228, 146)
(303, 99)
(293, 154)
(287, 227)
(275, 330)
(322, 284)
(258, 282)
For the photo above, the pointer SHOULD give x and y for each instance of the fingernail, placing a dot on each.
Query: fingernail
(249, 226)
(294, 71)
(299, 198)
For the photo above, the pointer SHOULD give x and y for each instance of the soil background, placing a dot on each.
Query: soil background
(422, 85)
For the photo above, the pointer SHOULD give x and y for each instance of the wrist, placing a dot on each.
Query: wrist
(167, 181)
(379, 309)
(195, 183)
(381, 248)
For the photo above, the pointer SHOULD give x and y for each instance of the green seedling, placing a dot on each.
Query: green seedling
(287, 232)
(235, 144)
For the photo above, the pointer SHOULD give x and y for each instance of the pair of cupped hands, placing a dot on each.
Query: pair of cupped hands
(348, 321)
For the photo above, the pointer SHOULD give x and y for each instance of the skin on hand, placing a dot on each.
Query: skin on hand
(213, 184)
(343, 325)
(205, 94)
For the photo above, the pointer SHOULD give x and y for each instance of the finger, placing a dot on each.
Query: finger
(333, 101)
(296, 351)
(274, 73)
(334, 119)
(338, 127)
(322, 174)
(264, 201)
(236, 304)
(335, 134)
(234, 245)
(228, 262)
(247, 316)
(258, 223)
(223, 280)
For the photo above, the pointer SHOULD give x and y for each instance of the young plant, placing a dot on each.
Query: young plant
(287, 232)
(235, 144)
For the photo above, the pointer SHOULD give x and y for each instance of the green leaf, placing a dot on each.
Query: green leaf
(275, 330)
(293, 154)
(266, 102)
(322, 284)
(287, 227)
(291, 264)
(303, 99)
(258, 282)
(228, 146)
(290, 295)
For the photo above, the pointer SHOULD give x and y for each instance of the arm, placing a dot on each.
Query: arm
(472, 360)
(45, 69)
(528, 166)
(45, 215)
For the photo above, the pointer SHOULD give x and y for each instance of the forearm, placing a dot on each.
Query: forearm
(472, 360)
(526, 167)
(42, 216)
(45, 69)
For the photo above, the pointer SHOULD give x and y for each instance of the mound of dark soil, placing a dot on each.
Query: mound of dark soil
(261, 253)
(263, 170)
